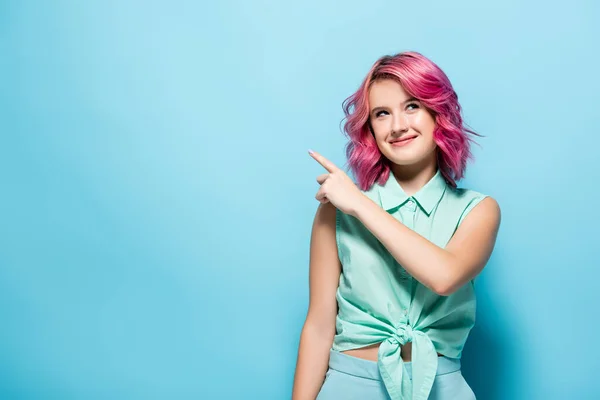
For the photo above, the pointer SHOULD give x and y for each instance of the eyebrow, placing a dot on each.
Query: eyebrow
(404, 102)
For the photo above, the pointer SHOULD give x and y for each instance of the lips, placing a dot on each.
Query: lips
(403, 139)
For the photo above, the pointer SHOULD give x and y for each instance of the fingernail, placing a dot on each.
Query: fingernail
(310, 151)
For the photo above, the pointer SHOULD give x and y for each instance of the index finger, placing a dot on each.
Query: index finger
(328, 165)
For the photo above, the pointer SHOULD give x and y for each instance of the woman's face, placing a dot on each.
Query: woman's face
(403, 127)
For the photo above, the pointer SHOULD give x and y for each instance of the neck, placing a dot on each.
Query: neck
(413, 177)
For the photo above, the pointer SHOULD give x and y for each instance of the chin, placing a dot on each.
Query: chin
(409, 158)
(405, 161)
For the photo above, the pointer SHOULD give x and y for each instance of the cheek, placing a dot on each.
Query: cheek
(423, 120)
(377, 128)
(379, 134)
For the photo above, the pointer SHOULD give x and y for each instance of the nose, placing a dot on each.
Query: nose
(400, 122)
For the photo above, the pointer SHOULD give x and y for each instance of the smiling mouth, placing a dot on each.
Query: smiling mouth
(403, 140)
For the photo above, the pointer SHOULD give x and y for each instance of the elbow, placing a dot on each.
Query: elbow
(445, 286)
(319, 329)
(444, 289)
(449, 286)
(448, 278)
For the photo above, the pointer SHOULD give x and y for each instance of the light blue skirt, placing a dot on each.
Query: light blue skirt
(350, 377)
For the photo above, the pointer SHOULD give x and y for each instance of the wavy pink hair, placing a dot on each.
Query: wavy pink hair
(423, 79)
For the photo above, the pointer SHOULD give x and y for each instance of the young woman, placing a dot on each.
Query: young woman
(393, 257)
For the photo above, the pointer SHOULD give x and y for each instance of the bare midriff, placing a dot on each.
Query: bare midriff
(370, 352)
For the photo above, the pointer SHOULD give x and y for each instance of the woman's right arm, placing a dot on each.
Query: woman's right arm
(319, 327)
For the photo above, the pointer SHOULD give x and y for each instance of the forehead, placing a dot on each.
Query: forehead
(387, 89)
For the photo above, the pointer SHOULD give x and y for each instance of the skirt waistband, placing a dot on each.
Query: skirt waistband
(368, 369)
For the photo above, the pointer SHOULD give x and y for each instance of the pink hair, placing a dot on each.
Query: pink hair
(423, 79)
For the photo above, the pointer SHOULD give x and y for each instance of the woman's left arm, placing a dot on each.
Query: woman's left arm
(443, 270)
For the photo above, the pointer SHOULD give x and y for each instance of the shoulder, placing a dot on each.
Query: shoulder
(465, 193)
(467, 196)
(471, 201)
(488, 207)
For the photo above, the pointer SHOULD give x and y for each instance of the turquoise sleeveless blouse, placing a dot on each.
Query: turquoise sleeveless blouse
(378, 301)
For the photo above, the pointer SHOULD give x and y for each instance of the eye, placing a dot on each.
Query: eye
(413, 104)
(379, 112)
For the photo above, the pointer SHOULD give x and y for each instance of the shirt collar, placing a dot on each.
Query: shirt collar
(392, 195)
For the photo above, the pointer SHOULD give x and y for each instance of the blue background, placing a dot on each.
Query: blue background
(157, 194)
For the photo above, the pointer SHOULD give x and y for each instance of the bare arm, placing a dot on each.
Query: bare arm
(442, 270)
(319, 328)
